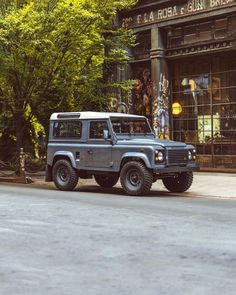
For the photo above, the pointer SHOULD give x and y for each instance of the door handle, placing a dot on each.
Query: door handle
(90, 152)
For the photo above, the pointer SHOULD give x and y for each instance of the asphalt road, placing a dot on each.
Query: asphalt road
(100, 242)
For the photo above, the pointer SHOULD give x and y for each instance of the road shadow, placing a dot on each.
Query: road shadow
(119, 192)
(96, 189)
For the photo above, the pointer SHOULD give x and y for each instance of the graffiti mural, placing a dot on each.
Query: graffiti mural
(161, 108)
(142, 93)
(142, 101)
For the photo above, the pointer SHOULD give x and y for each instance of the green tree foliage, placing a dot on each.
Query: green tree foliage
(52, 56)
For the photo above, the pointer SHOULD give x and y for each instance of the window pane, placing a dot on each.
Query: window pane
(67, 129)
(96, 129)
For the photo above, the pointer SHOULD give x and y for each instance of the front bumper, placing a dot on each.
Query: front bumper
(162, 169)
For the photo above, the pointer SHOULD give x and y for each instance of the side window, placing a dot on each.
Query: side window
(67, 129)
(96, 129)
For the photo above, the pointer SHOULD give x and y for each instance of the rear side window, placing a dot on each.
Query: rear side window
(67, 129)
(96, 129)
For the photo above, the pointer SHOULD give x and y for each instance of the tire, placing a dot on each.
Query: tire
(179, 184)
(105, 180)
(136, 179)
(65, 176)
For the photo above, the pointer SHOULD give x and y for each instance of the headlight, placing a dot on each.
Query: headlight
(159, 157)
(192, 155)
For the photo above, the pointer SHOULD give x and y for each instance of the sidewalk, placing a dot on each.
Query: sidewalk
(205, 184)
(211, 184)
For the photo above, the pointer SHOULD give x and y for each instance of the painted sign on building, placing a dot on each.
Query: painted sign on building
(175, 11)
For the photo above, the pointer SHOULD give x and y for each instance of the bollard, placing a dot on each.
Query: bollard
(22, 162)
(21, 176)
(22, 165)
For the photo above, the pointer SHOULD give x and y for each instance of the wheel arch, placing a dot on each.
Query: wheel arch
(49, 167)
(66, 156)
(139, 157)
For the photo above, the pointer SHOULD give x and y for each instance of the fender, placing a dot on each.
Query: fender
(141, 156)
(68, 155)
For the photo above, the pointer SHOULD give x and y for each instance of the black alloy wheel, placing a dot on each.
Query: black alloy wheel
(65, 176)
(136, 179)
(179, 184)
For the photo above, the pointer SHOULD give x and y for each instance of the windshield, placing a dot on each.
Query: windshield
(130, 126)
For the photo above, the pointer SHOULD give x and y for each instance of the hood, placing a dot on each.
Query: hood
(150, 142)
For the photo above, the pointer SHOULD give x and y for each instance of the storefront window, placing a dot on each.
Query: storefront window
(208, 103)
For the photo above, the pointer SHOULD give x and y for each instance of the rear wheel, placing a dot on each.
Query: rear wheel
(65, 176)
(106, 180)
(135, 178)
(179, 184)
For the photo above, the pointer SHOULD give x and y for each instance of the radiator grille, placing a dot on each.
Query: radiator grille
(177, 157)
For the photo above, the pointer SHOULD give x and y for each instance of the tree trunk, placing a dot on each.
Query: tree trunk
(20, 127)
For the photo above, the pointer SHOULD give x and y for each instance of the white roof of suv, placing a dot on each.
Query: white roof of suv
(90, 115)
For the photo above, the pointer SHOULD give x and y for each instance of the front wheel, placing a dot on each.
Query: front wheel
(136, 179)
(65, 176)
(179, 184)
(107, 181)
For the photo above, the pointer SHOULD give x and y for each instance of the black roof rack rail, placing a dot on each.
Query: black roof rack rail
(68, 116)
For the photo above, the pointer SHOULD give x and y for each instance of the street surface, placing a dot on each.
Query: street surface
(101, 242)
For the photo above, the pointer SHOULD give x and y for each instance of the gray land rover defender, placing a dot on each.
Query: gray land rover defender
(109, 146)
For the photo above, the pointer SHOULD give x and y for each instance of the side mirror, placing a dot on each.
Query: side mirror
(105, 134)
